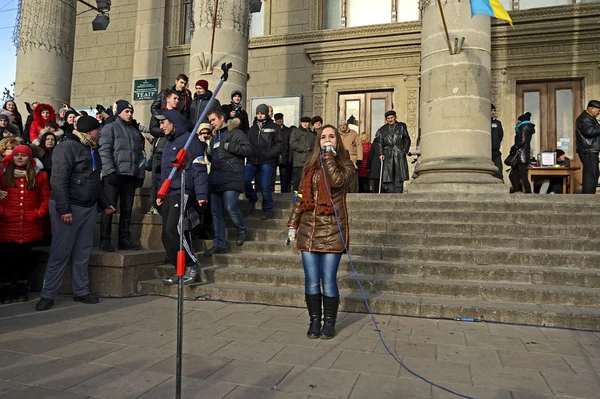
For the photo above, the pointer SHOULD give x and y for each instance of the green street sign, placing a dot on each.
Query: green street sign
(145, 89)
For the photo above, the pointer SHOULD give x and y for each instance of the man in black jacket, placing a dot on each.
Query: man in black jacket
(185, 97)
(266, 142)
(284, 160)
(200, 102)
(235, 110)
(497, 136)
(588, 146)
(76, 192)
(226, 153)
(302, 141)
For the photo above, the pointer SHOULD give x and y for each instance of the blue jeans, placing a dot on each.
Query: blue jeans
(264, 171)
(321, 266)
(220, 202)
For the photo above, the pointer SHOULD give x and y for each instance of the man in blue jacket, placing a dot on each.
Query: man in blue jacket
(173, 125)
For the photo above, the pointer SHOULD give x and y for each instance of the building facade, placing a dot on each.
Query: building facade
(341, 60)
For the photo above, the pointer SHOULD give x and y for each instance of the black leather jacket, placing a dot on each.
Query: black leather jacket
(524, 131)
(497, 134)
(588, 134)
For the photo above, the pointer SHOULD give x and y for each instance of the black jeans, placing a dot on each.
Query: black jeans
(170, 234)
(497, 159)
(519, 173)
(363, 185)
(297, 175)
(590, 172)
(124, 192)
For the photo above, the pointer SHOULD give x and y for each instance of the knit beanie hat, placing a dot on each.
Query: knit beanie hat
(525, 117)
(202, 83)
(204, 126)
(236, 93)
(122, 105)
(20, 149)
(86, 124)
(263, 108)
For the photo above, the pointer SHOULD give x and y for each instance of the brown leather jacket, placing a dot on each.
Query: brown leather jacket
(319, 233)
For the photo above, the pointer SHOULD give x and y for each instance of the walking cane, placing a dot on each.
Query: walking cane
(179, 163)
(380, 175)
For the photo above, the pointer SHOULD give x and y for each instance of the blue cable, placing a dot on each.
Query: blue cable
(362, 291)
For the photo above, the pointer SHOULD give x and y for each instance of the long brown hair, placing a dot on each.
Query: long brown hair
(313, 161)
(29, 175)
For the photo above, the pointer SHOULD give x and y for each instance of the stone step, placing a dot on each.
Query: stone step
(440, 240)
(436, 307)
(561, 259)
(440, 271)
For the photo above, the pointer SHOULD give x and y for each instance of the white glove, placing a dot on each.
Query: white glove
(291, 235)
(328, 147)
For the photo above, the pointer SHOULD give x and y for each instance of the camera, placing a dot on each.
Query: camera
(238, 110)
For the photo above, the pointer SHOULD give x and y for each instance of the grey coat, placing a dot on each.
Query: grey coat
(302, 142)
(121, 150)
(394, 144)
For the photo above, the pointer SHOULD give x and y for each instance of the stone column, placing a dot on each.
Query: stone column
(231, 45)
(149, 49)
(455, 103)
(45, 51)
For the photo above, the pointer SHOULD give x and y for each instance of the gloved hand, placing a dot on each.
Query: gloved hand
(139, 182)
(111, 179)
(291, 235)
(328, 147)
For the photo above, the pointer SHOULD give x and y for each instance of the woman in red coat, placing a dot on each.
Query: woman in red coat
(41, 114)
(363, 173)
(22, 209)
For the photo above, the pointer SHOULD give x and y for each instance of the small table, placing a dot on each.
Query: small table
(554, 172)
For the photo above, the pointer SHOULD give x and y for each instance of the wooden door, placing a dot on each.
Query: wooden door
(364, 112)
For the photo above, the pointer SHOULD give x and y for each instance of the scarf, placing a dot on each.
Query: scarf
(307, 202)
(20, 173)
(521, 124)
(85, 139)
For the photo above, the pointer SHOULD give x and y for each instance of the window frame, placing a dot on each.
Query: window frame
(344, 14)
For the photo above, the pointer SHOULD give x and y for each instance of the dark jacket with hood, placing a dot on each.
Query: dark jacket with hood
(121, 149)
(198, 105)
(185, 101)
(302, 142)
(588, 133)
(227, 160)
(523, 133)
(497, 134)
(266, 141)
(75, 178)
(196, 178)
(242, 115)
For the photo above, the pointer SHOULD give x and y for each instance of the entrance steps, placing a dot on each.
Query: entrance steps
(514, 258)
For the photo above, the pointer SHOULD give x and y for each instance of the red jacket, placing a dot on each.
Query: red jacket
(22, 211)
(39, 122)
(362, 168)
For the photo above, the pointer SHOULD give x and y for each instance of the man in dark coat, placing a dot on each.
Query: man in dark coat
(266, 142)
(201, 99)
(302, 141)
(185, 97)
(196, 189)
(497, 136)
(394, 144)
(235, 110)
(588, 146)
(76, 193)
(226, 153)
(284, 160)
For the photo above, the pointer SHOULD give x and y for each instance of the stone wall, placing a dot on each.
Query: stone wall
(287, 17)
(103, 60)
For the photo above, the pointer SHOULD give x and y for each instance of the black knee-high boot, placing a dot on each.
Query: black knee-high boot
(330, 310)
(313, 304)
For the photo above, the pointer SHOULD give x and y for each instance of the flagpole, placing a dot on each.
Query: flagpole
(445, 26)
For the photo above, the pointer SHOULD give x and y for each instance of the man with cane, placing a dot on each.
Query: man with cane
(393, 142)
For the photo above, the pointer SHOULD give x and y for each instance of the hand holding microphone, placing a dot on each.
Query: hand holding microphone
(328, 147)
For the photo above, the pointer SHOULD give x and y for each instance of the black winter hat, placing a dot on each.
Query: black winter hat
(594, 104)
(306, 119)
(263, 109)
(390, 113)
(493, 107)
(122, 105)
(525, 117)
(559, 153)
(86, 124)
(278, 115)
(236, 93)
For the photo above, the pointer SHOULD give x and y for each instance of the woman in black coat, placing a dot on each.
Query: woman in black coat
(524, 130)
(374, 167)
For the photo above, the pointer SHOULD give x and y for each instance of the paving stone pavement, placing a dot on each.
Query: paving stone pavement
(124, 348)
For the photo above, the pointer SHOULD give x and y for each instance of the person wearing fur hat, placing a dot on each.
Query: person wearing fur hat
(123, 161)
(21, 213)
(185, 97)
(236, 110)
(77, 192)
(266, 141)
(587, 133)
(201, 99)
(524, 130)
(6, 127)
(41, 114)
(226, 153)
(394, 144)
(11, 106)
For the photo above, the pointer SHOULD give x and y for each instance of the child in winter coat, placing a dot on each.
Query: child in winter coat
(21, 212)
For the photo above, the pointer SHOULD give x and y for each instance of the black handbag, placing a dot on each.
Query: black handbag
(512, 159)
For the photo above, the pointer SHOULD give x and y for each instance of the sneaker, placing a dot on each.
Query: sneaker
(87, 299)
(241, 238)
(130, 245)
(171, 280)
(106, 246)
(44, 304)
(191, 273)
(267, 217)
(153, 211)
(215, 250)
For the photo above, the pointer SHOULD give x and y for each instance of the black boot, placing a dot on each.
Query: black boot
(22, 288)
(313, 304)
(330, 310)
(6, 293)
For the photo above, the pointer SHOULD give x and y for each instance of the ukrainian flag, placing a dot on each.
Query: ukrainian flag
(493, 8)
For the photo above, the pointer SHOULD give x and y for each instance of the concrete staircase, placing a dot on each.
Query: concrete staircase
(520, 258)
